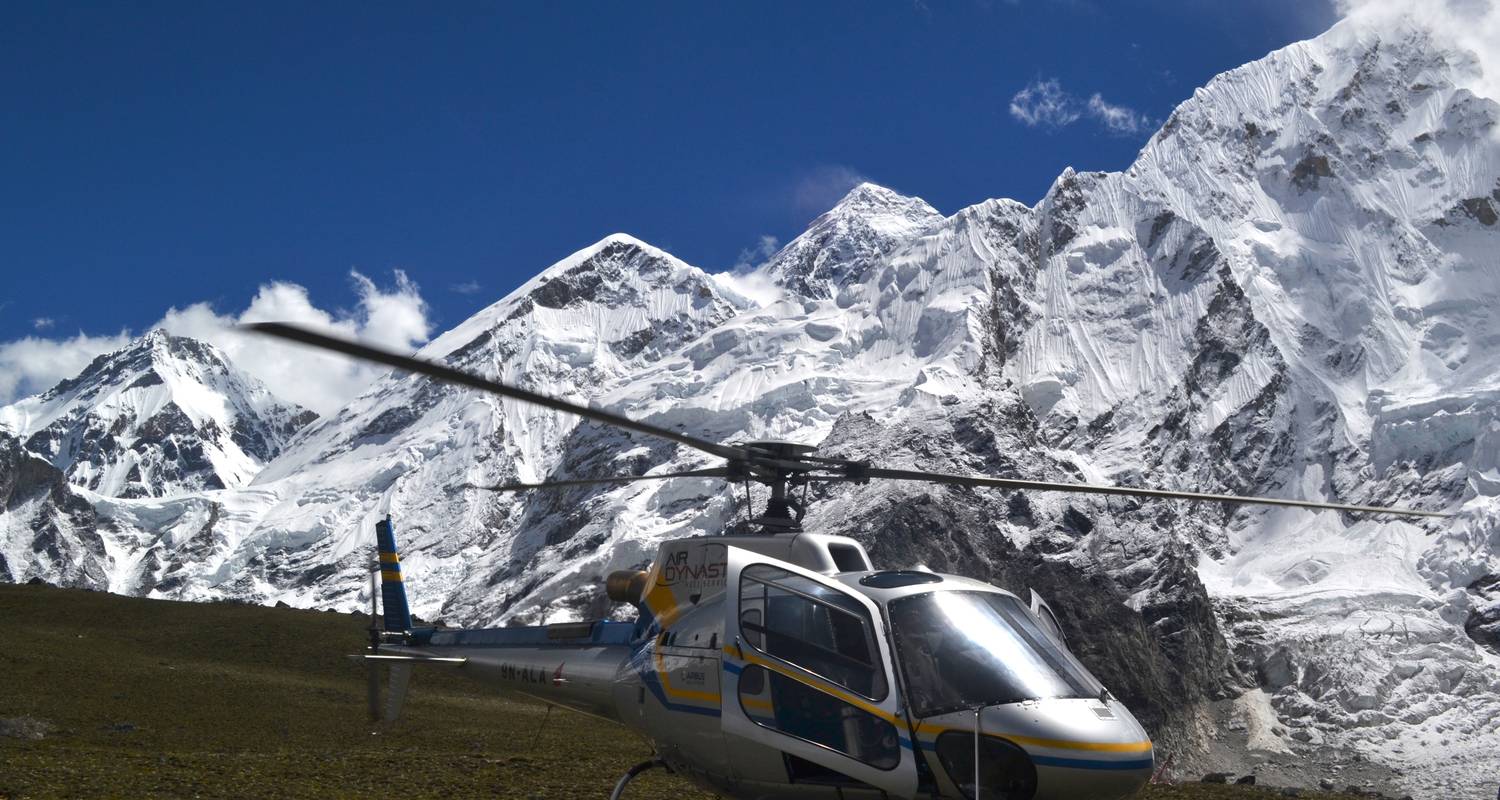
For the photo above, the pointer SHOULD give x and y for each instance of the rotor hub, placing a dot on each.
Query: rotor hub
(782, 450)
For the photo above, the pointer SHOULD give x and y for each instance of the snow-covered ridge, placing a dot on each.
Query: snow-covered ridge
(162, 416)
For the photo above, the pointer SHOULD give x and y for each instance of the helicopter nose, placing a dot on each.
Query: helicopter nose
(1045, 750)
(1081, 748)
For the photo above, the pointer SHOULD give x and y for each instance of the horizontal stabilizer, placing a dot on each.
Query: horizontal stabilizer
(416, 659)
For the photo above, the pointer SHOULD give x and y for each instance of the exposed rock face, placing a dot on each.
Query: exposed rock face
(164, 416)
(1290, 292)
(1483, 623)
(49, 531)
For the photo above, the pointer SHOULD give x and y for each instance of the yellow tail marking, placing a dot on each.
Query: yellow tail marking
(663, 605)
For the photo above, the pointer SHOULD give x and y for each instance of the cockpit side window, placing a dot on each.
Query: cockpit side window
(811, 626)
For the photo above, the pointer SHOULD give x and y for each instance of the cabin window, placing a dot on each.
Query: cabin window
(787, 705)
(811, 626)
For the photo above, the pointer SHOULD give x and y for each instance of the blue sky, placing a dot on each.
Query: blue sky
(162, 155)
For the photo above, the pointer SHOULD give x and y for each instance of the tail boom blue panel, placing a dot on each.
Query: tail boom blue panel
(392, 590)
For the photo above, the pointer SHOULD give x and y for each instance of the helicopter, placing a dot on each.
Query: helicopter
(781, 664)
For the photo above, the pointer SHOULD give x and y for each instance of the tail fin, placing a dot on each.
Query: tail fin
(392, 590)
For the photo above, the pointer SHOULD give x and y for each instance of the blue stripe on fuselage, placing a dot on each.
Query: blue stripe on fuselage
(1088, 763)
(643, 667)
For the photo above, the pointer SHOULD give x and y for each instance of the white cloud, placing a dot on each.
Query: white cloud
(754, 289)
(42, 323)
(821, 188)
(1118, 119)
(467, 287)
(395, 317)
(32, 365)
(754, 256)
(1044, 103)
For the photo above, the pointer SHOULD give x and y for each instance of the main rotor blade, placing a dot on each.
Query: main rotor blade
(1086, 488)
(448, 374)
(716, 472)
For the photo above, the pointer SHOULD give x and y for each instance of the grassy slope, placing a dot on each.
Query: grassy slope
(160, 699)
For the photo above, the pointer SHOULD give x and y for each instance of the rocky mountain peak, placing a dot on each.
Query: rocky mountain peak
(139, 355)
(880, 206)
(160, 416)
(620, 291)
(842, 245)
(611, 271)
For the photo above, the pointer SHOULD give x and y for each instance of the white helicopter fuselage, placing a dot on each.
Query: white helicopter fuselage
(785, 666)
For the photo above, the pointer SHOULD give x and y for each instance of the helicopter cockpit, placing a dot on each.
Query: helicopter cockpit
(879, 680)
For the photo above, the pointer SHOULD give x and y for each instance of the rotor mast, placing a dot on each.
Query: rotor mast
(780, 465)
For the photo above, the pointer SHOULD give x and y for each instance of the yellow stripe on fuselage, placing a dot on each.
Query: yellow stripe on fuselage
(1060, 744)
(663, 605)
(390, 575)
(390, 558)
(757, 703)
(690, 694)
(1098, 747)
(826, 688)
(934, 729)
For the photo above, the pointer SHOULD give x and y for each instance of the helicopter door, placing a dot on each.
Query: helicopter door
(1044, 613)
(808, 676)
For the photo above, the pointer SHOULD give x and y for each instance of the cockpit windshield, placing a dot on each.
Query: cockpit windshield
(961, 649)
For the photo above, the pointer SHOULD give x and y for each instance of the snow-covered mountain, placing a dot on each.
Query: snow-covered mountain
(163, 416)
(841, 246)
(166, 419)
(47, 530)
(1291, 292)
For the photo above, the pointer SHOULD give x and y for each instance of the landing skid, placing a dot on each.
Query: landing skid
(631, 774)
